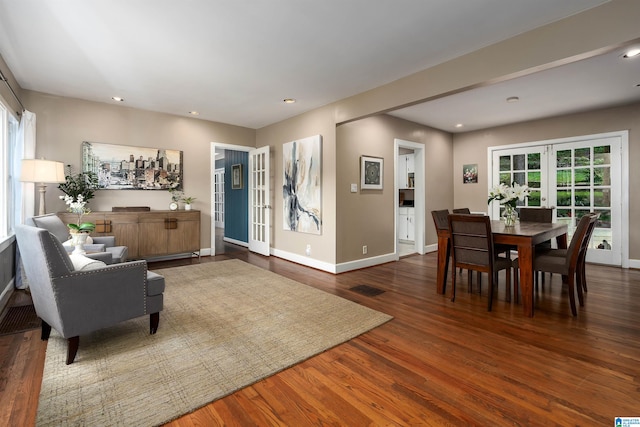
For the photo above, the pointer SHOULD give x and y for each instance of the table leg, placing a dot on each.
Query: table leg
(444, 251)
(525, 262)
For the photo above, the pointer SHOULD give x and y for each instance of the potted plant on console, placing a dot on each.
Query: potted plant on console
(187, 202)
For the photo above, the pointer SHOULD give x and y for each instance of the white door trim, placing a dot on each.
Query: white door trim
(419, 189)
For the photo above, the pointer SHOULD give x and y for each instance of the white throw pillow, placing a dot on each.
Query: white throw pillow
(69, 242)
(83, 263)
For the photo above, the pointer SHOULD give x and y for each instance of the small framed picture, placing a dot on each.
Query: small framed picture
(371, 173)
(470, 174)
(236, 177)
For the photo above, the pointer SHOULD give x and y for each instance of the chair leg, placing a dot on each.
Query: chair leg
(491, 285)
(453, 284)
(579, 288)
(470, 280)
(516, 286)
(46, 331)
(572, 294)
(479, 274)
(154, 320)
(582, 278)
(72, 348)
(508, 286)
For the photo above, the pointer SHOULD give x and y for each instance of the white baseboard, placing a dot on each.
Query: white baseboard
(235, 242)
(367, 262)
(431, 248)
(634, 263)
(304, 260)
(5, 296)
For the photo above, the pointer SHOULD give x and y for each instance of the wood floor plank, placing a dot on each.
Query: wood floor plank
(436, 363)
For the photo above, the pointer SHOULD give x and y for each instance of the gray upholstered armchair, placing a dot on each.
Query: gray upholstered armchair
(54, 224)
(76, 302)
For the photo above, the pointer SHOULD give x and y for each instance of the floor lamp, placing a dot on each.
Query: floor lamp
(42, 171)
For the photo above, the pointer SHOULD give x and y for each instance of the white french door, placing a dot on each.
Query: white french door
(524, 165)
(218, 197)
(259, 201)
(575, 176)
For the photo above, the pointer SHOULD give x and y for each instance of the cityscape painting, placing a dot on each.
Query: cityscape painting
(122, 167)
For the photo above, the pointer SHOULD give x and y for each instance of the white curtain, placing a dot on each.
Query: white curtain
(24, 198)
(24, 192)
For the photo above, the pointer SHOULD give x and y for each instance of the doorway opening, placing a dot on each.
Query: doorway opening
(409, 197)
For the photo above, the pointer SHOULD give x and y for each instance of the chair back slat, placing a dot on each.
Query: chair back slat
(440, 219)
(536, 215)
(466, 211)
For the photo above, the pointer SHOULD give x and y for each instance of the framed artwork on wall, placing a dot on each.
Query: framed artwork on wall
(302, 185)
(470, 174)
(371, 173)
(124, 167)
(236, 177)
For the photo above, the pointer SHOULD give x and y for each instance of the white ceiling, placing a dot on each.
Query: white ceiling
(602, 81)
(234, 61)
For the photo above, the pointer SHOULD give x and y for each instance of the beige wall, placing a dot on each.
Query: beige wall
(318, 122)
(367, 217)
(472, 147)
(64, 123)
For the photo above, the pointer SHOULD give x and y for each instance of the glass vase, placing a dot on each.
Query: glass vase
(510, 215)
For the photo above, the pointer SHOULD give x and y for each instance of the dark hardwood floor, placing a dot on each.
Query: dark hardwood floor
(436, 363)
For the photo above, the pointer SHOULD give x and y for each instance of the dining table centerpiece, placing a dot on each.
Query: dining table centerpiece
(508, 197)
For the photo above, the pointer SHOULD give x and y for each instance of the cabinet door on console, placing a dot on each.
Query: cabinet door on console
(153, 233)
(124, 226)
(186, 236)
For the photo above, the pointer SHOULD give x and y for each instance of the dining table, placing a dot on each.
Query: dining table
(524, 236)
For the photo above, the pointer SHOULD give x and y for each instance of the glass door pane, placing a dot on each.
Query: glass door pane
(523, 166)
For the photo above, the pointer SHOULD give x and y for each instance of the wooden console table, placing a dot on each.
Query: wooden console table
(149, 234)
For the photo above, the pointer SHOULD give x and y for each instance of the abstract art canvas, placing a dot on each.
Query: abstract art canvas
(302, 185)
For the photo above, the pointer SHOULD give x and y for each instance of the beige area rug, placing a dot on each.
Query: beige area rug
(225, 325)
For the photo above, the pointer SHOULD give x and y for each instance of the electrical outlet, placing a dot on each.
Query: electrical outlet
(364, 250)
(308, 250)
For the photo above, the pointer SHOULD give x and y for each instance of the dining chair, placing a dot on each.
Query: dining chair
(581, 277)
(473, 249)
(544, 215)
(499, 249)
(441, 221)
(566, 265)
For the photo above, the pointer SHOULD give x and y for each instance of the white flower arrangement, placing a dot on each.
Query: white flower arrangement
(78, 207)
(509, 195)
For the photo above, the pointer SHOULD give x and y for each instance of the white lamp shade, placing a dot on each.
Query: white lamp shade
(40, 170)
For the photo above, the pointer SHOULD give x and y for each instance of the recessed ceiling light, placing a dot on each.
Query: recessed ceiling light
(289, 101)
(631, 53)
(194, 113)
(117, 98)
(459, 125)
(513, 99)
